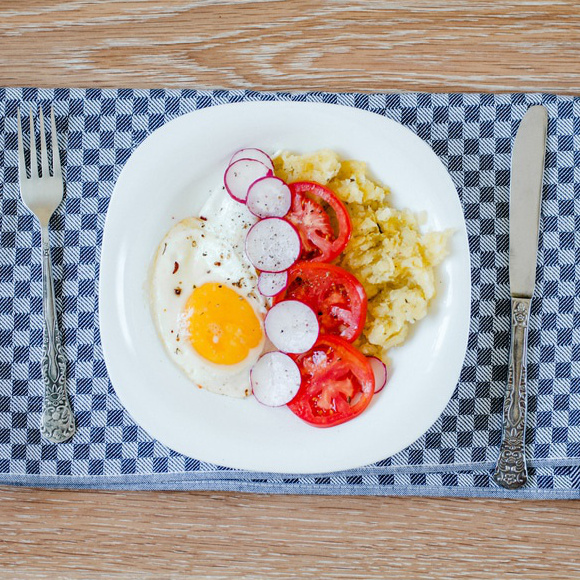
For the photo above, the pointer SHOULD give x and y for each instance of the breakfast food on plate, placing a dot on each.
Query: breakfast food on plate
(387, 252)
(379, 371)
(275, 379)
(335, 295)
(205, 302)
(337, 383)
(293, 283)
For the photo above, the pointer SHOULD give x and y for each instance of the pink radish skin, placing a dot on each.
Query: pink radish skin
(275, 379)
(253, 153)
(272, 245)
(269, 197)
(292, 326)
(241, 174)
(380, 372)
(272, 283)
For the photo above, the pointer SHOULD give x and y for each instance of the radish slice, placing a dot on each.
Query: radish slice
(272, 283)
(272, 245)
(292, 326)
(275, 379)
(252, 153)
(380, 372)
(241, 174)
(269, 197)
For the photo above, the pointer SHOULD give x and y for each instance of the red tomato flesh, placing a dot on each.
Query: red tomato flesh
(335, 295)
(320, 243)
(337, 383)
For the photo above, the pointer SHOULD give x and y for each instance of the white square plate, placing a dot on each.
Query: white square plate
(168, 178)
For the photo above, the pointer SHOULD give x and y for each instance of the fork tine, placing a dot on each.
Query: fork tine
(33, 159)
(56, 171)
(21, 158)
(43, 151)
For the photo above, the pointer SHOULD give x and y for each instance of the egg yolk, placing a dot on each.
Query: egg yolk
(223, 326)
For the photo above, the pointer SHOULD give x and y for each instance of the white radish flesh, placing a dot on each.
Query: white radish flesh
(241, 174)
(252, 153)
(272, 245)
(380, 372)
(272, 283)
(275, 379)
(269, 197)
(292, 326)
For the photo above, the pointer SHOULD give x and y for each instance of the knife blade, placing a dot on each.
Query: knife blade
(527, 171)
(525, 196)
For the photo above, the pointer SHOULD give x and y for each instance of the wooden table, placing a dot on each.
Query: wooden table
(363, 45)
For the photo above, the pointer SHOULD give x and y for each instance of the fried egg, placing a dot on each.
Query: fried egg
(204, 298)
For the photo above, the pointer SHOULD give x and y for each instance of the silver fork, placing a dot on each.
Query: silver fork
(42, 195)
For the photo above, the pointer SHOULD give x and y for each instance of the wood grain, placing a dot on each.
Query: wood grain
(221, 535)
(364, 45)
(339, 45)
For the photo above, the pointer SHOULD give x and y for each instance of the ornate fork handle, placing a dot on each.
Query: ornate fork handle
(58, 422)
(511, 471)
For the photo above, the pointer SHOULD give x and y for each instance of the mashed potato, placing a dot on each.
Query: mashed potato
(387, 252)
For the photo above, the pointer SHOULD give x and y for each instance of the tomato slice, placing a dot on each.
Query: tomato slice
(336, 296)
(310, 215)
(337, 383)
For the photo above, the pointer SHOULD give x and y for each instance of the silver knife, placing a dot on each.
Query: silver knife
(527, 173)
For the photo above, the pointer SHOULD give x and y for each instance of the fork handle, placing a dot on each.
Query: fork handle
(511, 471)
(58, 422)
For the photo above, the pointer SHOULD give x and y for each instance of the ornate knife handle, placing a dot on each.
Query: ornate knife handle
(58, 422)
(511, 471)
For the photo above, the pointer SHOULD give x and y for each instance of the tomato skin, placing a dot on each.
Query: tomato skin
(319, 242)
(337, 383)
(335, 295)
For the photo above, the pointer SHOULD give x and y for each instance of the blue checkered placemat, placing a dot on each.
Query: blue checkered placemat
(472, 134)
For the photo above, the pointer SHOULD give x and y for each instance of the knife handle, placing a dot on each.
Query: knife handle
(511, 471)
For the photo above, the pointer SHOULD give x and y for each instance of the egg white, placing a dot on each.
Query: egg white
(205, 250)
(228, 219)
